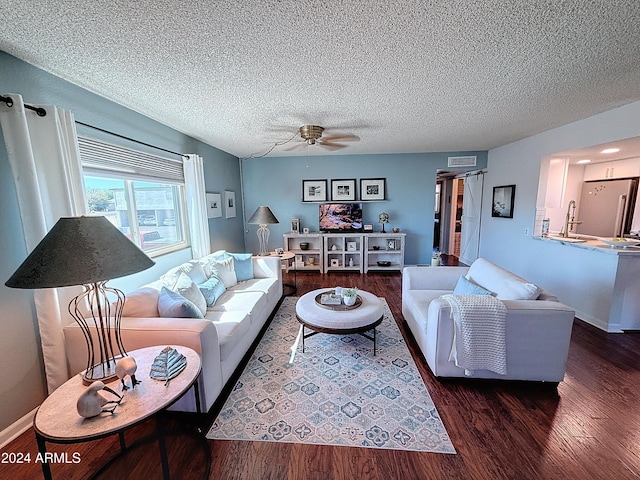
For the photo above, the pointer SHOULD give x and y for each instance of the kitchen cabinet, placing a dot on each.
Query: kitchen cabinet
(627, 168)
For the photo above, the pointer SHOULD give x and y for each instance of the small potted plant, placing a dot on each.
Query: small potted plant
(349, 296)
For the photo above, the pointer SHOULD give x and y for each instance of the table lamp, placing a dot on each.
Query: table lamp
(87, 251)
(263, 217)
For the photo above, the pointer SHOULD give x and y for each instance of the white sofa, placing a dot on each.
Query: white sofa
(538, 326)
(222, 338)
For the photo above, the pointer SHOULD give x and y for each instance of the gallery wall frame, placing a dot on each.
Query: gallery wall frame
(372, 189)
(214, 205)
(343, 190)
(502, 201)
(230, 204)
(314, 190)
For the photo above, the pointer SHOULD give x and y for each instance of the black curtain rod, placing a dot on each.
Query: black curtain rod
(42, 112)
(39, 110)
(131, 139)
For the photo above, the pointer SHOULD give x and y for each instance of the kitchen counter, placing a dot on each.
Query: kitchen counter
(599, 281)
(592, 243)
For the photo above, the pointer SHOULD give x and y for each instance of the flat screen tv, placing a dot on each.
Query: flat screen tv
(340, 217)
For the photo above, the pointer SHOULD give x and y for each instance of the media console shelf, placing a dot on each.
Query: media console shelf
(384, 251)
(309, 258)
(355, 252)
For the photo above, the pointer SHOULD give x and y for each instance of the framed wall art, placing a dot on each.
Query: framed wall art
(343, 190)
(314, 190)
(230, 203)
(372, 189)
(214, 205)
(502, 202)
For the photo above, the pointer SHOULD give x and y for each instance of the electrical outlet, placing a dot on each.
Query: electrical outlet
(526, 231)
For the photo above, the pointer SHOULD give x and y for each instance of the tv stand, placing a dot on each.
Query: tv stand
(355, 252)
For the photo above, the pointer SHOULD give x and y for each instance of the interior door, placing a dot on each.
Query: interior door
(471, 209)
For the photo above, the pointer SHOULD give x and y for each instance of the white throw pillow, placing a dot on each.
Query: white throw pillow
(225, 270)
(193, 269)
(208, 261)
(506, 285)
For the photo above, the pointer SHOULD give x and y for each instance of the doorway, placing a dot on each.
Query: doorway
(457, 214)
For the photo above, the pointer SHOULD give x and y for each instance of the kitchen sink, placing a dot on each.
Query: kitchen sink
(569, 239)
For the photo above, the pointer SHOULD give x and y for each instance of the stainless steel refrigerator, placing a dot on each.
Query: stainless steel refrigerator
(606, 207)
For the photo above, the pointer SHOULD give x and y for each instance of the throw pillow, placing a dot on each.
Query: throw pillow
(506, 285)
(225, 270)
(212, 289)
(207, 262)
(193, 269)
(467, 287)
(189, 290)
(174, 305)
(142, 302)
(243, 265)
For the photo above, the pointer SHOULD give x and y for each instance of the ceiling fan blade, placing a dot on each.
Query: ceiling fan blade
(342, 137)
(331, 145)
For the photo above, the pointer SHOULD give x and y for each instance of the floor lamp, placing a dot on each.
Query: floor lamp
(263, 217)
(87, 251)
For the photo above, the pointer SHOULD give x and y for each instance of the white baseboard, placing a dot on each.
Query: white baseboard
(17, 428)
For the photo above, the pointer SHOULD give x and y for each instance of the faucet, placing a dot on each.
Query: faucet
(570, 221)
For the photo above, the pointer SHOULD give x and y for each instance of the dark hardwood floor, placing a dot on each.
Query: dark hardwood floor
(587, 428)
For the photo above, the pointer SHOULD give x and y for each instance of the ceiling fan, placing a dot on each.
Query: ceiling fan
(313, 135)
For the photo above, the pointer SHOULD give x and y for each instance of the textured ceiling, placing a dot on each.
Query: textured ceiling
(408, 76)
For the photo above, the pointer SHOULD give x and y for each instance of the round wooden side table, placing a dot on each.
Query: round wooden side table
(57, 420)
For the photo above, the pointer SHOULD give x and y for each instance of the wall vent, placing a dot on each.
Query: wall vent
(462, 161)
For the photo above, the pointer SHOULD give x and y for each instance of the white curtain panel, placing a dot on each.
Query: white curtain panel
(196, 197)
(45, 163)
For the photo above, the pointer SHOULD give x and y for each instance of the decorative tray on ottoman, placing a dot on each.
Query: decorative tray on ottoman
(331, 301)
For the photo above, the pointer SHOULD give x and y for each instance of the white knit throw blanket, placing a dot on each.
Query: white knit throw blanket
(479, 333)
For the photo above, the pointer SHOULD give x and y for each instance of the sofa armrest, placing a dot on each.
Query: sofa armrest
(538, 335)
(267, 267)
(431, 278)
(198, 334)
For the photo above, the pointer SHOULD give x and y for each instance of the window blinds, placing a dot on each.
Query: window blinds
(99, 157)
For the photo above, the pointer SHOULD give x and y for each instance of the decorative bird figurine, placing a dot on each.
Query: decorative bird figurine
(127, 366)
(91, 403)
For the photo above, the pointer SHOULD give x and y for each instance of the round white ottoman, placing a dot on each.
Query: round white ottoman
(322, 319)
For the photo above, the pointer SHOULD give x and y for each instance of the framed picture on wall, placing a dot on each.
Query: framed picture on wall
(314, 190)
(214, 205)
(372, 189)
(502, 203)
(343, 190)
(230, 203)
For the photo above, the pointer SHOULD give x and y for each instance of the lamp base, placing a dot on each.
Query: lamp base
(263, 239)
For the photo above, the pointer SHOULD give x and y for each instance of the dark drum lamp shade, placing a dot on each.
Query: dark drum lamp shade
(86, 251)
(263, 216)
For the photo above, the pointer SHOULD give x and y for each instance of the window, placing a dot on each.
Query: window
(144, 201)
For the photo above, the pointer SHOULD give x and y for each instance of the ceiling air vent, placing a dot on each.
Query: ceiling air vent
(462, 161)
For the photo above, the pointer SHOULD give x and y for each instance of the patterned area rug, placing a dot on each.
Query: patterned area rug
(335, 393)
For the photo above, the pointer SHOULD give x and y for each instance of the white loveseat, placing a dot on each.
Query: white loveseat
(230, 324)
(538, 326)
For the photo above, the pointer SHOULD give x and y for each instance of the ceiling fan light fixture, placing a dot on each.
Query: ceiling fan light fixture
(311, 133)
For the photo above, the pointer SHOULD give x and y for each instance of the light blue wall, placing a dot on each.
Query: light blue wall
(410, 182)
(23, 385)
(582, 279)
